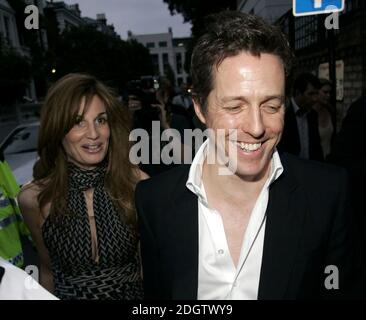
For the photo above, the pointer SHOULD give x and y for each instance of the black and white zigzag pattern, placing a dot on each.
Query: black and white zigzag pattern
(68, 239)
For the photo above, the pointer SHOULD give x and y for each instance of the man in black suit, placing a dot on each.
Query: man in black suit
(301, 134)
(253, 224)
(349, 151)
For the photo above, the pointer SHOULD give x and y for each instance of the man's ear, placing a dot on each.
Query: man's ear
(198, 111)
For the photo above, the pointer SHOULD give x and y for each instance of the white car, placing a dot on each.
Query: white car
(20, 151)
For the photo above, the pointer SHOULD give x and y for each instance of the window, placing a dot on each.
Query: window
(306, 31)
(150, 45)
(155, 63)
(165, 62)
(351, 5)
(178, 58)
(163, 44)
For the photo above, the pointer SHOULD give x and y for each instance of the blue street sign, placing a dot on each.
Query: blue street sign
(310, 7)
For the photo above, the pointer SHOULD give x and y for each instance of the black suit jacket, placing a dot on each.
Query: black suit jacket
(349, 151)
(290, 141)
(307, 228)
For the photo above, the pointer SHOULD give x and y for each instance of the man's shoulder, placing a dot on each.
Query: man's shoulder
(165, 182)
(312, 171)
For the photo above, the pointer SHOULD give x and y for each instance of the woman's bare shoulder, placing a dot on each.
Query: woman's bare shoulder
(28, 201)
(28, 196)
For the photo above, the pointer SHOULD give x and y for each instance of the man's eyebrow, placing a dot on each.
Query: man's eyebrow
(264, 99)
(233, 98)
(274, 97)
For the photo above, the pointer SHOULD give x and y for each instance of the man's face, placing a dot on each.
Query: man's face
(308, 98)
(324, 94)
(248, 96)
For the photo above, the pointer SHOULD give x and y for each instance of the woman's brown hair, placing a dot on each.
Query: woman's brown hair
(58, 115)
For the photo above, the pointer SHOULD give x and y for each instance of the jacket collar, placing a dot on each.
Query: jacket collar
(285, 218)
(185, 275)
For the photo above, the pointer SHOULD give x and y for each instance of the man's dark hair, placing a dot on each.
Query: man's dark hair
(303, 80)
(227, 34)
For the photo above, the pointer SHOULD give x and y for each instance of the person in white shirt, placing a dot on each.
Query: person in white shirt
(16, 284)
(258, 225)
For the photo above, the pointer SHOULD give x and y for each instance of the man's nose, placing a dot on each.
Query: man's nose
(253, 124)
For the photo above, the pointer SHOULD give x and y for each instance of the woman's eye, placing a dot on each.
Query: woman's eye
(79, 122)
(101, 120)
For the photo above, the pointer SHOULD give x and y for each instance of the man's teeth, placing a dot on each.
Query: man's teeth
(249, 146)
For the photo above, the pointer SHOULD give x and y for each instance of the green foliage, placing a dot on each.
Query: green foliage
(15, 74)
(194, 11)
(31, 40)
(82, 49)
(85, 49)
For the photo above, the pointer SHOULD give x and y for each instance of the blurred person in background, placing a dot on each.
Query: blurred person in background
(349, 151)
(12, 226)
(301, 135)
(324, 110)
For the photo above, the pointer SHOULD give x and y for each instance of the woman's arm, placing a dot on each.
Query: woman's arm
(33, 218)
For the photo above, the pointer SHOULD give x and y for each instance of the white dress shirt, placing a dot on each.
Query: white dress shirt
(303, 129)
(218, 278)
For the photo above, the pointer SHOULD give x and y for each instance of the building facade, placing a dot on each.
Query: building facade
(8, 26)
(313, 44)
(10, 35)
(100, 23)
(65, 15)
(166, 52)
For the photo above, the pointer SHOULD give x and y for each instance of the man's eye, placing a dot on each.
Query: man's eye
(233, 108)
(271, 108)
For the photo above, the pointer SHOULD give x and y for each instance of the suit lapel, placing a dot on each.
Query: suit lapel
(184, 234)
(285, 215)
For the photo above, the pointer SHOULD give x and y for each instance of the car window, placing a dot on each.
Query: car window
(22, 140)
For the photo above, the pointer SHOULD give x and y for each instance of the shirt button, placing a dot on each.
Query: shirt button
(220, 251)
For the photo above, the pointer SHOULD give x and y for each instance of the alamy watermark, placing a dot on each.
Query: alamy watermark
(331, 282)
(169, 147)
(332, 21)
(32, 280)
(32, 20)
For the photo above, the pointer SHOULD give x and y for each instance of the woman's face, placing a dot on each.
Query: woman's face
(86, 144)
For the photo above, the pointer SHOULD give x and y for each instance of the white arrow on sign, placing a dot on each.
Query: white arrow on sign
(317, 4)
